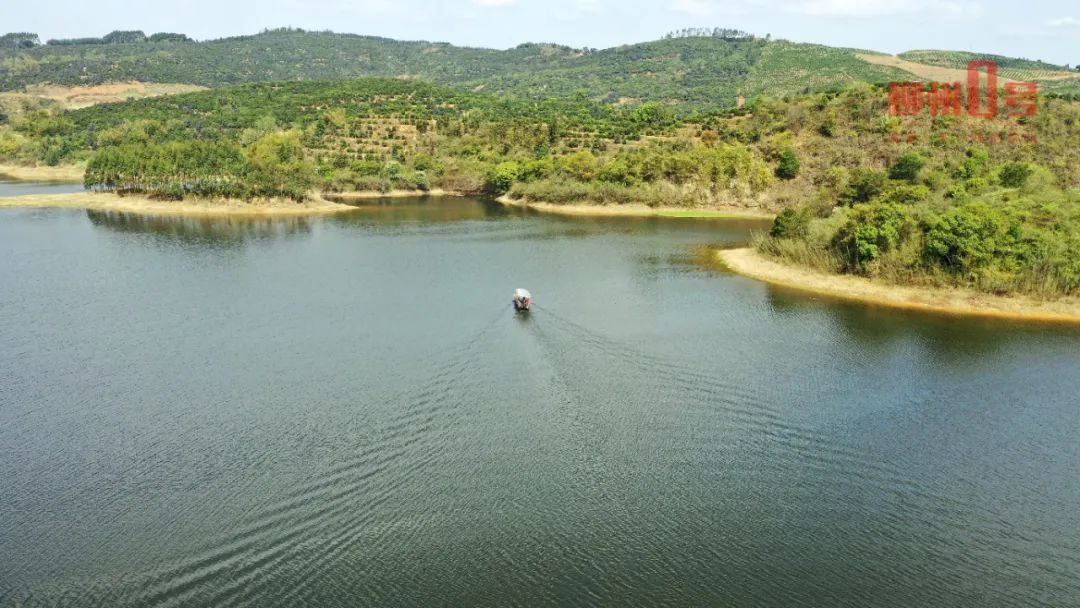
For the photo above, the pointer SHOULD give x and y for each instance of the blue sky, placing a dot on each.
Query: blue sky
(1047, 30)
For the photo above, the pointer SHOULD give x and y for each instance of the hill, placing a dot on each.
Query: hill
(694, 71)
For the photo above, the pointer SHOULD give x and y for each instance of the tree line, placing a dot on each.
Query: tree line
(29, 40)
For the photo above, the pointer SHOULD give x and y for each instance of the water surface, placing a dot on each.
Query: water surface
(345, 411)
(9, 187)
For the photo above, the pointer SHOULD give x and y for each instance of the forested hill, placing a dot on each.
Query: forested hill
(702, 70)
(692, 70)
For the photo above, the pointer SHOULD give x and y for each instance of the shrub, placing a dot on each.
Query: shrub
(789, 165)
(1015, 175)
(907, 167)
(616, 171)
(533, 170)
(790, 223)
(42, 123)
(871, 231)
(372, 183)
(976, 185)
(420, 181)
(366, 168)
(277, 166)
(500, 179)
(976, 162)
(834, 179)
(580, 165)
(956, 191)
(390, 169)
(968, 238)
(552, 191)
(905, 194)
(53, 156)
(935, 180)
(864, 185)
(424, 162)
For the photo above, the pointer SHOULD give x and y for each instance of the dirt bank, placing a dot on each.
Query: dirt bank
(637, 210)
(140, 204)
(750, 263)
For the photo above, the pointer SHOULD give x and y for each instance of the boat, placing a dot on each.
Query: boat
(522, 299)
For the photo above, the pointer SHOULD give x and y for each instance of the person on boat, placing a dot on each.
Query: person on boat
(522, 299)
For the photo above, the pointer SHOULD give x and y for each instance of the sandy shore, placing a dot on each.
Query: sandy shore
(64, 173)
(750, 263)
(359, 196)
(140, 204)
(638, 210)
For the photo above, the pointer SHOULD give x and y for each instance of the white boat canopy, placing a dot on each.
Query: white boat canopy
(522, 294)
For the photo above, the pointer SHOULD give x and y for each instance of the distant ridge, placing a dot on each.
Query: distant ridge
(691, 68)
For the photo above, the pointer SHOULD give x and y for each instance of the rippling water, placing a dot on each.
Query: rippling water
(18, 188)
(345, 411)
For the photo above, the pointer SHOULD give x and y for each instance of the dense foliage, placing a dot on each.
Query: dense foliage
(19, 40)
(373, 134)
(951, 202)
(689, 69)
(692, 68)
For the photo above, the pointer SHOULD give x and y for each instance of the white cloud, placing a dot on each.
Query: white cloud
(847, 8)
(367, 8)
(694, 7)
(1065, 22)
(494, 3)
(708, 8)
(883, 8)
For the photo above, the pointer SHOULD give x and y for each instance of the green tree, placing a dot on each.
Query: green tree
(278, 166)
(652, 114)
(968, 238)
(1015, 175)
(789, 165)
(871, 231)
(907, 167)
(617, 171)
(790, 223)
(976, 163)
(580, 165)
(500, 178)
(864, 185)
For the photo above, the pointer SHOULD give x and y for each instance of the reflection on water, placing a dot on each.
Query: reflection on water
(213, 230)
(419, 209)
(947, 337)
(345, 410)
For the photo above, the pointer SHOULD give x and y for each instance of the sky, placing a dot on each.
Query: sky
(1047, 30)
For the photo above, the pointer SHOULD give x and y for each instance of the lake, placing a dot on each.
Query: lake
(346, 411)
(9, 187)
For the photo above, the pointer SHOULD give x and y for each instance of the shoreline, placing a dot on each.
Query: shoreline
(102, 201)
(744, 261)
(373, 194)
(951, 301)
(637, 210)
(64, 173)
